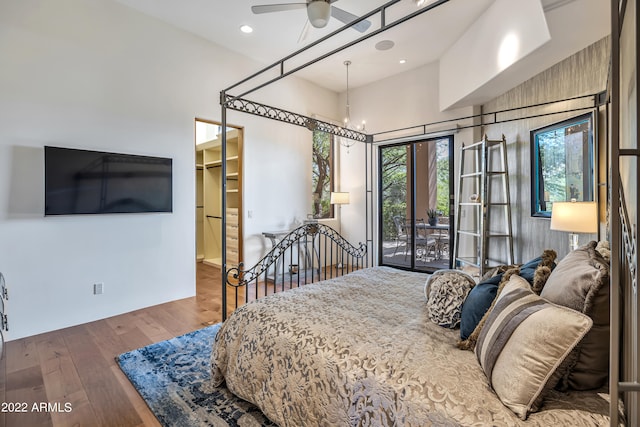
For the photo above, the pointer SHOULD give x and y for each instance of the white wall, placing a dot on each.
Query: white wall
(95, 74)
(471, 69)
(505, 33)
(277, 164)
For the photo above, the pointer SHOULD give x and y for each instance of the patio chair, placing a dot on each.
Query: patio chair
(426, 243)
(401, 233)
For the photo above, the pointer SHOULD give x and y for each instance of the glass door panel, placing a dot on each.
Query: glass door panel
(395, 191)
(416, 189)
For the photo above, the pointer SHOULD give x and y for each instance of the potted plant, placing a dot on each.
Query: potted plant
(432, 214)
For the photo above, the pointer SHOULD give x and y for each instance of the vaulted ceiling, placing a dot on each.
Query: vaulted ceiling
(573, 25)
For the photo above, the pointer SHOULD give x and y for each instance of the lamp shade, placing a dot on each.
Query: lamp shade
(339, 198)
(319, 12)
(575, 217)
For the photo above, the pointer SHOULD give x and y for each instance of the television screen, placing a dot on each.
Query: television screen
(94, 182)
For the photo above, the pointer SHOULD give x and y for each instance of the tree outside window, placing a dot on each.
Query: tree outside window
(394, 187)
(442, 165)
(322, 170)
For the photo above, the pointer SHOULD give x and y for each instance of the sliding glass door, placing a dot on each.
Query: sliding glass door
(416, 189)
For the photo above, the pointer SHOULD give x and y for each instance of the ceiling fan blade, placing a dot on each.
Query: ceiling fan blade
(346, 17)
(268, 8)
(304, 32)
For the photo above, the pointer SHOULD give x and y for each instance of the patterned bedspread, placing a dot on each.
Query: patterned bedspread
(360, 350)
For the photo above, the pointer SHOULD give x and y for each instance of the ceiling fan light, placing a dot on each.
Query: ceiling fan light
(319, 12)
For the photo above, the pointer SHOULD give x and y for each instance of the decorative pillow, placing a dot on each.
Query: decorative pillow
(603, 249)
(446, 291)
(470, 343)
(538, 270)
(476, 305)
(524, 344)
(581, 282)
(480, 298)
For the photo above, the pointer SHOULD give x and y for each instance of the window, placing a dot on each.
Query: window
(562, 164)
(322, 178)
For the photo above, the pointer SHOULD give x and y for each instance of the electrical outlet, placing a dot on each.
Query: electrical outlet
(98, 288)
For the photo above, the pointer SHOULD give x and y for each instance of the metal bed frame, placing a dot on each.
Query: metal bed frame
(308, 254)
(624, 366)
(624, 301)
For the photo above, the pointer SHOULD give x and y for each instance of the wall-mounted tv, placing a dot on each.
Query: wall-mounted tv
(95, 182)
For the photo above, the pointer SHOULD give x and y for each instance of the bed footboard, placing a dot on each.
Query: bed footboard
(308, 254)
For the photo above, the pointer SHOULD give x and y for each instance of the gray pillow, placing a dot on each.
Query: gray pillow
(445, 291)
(581, 282)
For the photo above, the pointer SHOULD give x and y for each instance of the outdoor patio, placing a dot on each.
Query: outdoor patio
(399, 255)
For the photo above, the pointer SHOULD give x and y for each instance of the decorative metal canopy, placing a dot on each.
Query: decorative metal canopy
(274, 113)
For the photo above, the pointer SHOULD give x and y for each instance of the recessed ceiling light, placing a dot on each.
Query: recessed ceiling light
(403, 61)
(384, 45)
(246, 29)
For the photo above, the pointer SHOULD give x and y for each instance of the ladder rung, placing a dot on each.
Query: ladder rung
(496, 173)
(469, 233)
(489, 142)
(490, 263)
(497, 235)
(471, 175)
(494, 142)
(473, 261)
(498, 204)
(470, 204)
(472, 146)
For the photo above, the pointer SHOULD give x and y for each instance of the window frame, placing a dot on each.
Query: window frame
(586, 185)
(331, 174)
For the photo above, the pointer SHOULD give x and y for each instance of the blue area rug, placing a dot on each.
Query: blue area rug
(173, 377)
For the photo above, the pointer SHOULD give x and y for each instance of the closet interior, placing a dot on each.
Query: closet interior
(209, 187)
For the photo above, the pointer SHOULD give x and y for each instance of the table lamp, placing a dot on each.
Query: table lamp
(339, 198)
(574, 217)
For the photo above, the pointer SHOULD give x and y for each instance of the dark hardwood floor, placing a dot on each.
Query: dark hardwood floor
(74, 371)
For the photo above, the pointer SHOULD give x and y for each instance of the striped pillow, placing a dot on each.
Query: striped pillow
(523, 344)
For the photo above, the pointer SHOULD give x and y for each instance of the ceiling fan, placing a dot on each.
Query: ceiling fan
(318, 11)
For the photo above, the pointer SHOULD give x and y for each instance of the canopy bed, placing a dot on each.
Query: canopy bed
(303, 335)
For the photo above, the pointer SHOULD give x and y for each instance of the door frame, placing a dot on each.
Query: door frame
(411, 172)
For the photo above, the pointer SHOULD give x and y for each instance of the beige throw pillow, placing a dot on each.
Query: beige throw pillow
(524, 344)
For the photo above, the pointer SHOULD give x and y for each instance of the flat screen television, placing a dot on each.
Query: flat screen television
(95, 182)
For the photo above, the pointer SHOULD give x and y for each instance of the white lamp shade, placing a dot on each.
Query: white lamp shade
(575, 217)
(319, 12)
(339, 198)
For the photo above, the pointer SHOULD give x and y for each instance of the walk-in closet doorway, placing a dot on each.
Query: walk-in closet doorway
(210, 185)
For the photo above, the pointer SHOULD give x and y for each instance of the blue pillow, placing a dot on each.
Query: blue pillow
(529, 269)
(477, 303)
(482, 295)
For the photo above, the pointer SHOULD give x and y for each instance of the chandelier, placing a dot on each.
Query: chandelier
(347, 142)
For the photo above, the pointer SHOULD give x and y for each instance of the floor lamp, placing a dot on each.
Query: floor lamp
(339, 198)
